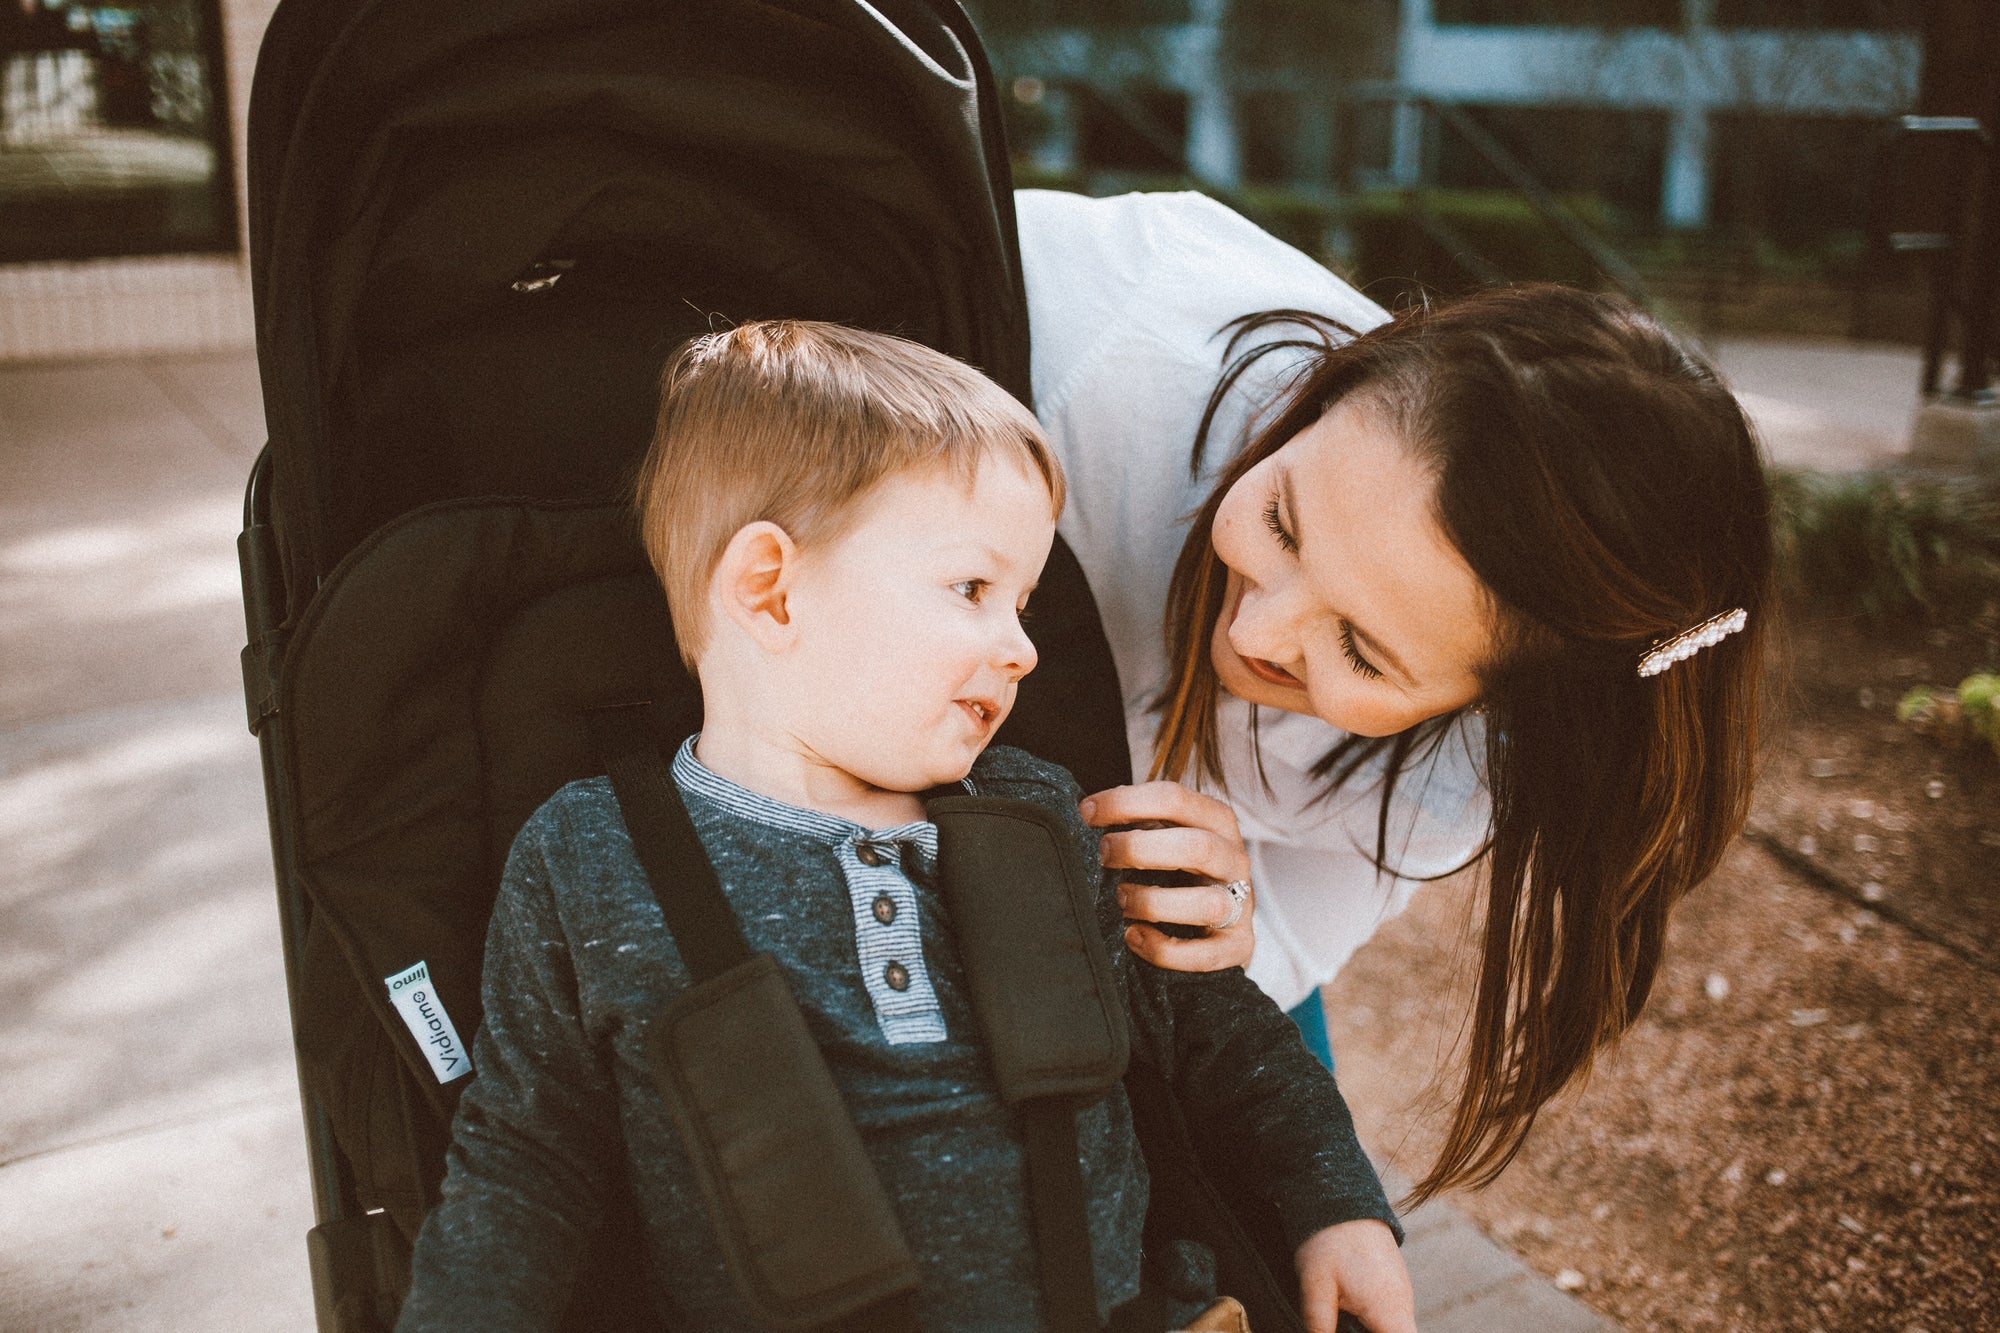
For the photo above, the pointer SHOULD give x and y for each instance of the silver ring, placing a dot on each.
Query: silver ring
(1239, 894)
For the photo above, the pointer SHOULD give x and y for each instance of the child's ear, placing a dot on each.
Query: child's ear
(753, 579)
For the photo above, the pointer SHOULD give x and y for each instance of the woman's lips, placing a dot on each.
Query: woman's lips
(1255, 665)
(1272, 672)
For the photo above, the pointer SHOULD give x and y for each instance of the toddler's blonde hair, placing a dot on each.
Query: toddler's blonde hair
(791, 422)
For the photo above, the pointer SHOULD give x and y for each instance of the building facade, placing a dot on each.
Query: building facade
(1685, 114)
(1680, 110)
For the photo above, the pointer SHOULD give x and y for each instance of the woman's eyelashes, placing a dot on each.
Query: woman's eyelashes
(1353, 654)
(1275, 521)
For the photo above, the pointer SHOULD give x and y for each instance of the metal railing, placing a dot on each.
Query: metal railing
(1960, 249)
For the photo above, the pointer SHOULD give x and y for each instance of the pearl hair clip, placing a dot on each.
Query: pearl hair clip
(1691, 641)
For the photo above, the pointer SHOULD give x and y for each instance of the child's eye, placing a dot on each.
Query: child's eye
(1353, 654)
(1276, 523)
(971, 589)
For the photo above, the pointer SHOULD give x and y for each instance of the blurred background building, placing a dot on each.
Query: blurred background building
(121, 213)
(1735, 163)
(1739, 164)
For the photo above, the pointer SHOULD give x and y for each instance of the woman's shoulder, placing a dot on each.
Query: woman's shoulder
(1186, 250)
(1148, 282)
(1144, 225)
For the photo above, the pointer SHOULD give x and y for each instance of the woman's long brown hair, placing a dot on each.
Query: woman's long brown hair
(1607, 491)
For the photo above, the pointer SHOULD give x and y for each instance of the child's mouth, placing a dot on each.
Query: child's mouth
(981, 712)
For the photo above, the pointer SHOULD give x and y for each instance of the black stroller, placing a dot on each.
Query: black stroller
(477, 231)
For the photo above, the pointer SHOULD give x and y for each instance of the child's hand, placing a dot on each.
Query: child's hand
(1189, 837)
(1356, 1267)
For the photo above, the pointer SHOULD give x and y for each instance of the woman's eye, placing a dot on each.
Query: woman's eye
(1353, 654)
(970, 589)
(1276, 523)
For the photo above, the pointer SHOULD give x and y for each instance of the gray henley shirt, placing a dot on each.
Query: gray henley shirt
(578, 959)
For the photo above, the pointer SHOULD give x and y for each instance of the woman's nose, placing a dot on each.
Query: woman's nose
(1259, 622)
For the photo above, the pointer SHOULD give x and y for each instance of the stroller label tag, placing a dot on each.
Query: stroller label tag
(423, 1013)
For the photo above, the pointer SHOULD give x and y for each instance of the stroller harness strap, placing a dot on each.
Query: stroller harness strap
(808, 1231)
(1051, 1014)
(803, 1222)
(705, 930)
(808, 1234)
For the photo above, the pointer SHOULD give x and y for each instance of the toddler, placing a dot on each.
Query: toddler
(848, 527)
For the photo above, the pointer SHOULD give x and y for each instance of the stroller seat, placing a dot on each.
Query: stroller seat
(434, 699)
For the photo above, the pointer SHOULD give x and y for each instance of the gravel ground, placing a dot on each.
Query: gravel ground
(1802, 1133)
(1864, 804)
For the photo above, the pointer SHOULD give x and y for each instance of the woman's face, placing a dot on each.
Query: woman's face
(1345, 599)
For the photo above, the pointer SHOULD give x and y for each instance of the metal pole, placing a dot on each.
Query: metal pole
(1982, 279)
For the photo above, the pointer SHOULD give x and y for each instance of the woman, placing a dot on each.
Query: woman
(1487, 582)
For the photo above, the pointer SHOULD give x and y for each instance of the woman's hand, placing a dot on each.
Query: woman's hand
(1165, 827)
(1356, 1267)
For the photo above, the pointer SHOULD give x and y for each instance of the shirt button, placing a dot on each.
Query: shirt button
(885, 909)
(871, 855)
(897, 976)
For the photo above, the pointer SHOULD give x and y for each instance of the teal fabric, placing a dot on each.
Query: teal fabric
(1310, 1015)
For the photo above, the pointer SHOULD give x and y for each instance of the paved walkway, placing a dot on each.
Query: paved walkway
(151, 1157)
(1836, 406)
(152, 1167)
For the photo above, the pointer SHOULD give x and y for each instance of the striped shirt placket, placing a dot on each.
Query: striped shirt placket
(888, 938)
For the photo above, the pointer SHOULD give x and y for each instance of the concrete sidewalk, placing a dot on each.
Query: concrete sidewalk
(1820, 403)
(152, 1166)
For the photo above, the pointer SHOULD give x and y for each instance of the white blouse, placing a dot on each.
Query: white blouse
(1127, 298)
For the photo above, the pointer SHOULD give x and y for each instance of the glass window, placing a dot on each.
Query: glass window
(1892, 15)
(1009, 16)
(114, 130)
(1560, 13)
(1268, 125)
(1617, 156)
(1141, 128)
(1797, 180)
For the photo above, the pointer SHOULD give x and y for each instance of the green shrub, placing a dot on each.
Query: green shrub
(1888, 546)
(1979, 697)
(1969, 713)
(1499, 225)
(1299, 219)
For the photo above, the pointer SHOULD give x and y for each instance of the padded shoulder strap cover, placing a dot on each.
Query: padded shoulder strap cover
(1025, 914)
(795, 1202)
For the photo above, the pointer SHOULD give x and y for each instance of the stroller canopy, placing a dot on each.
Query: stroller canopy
(477, 230)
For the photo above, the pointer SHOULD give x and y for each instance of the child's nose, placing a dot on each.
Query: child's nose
(1017, 652)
